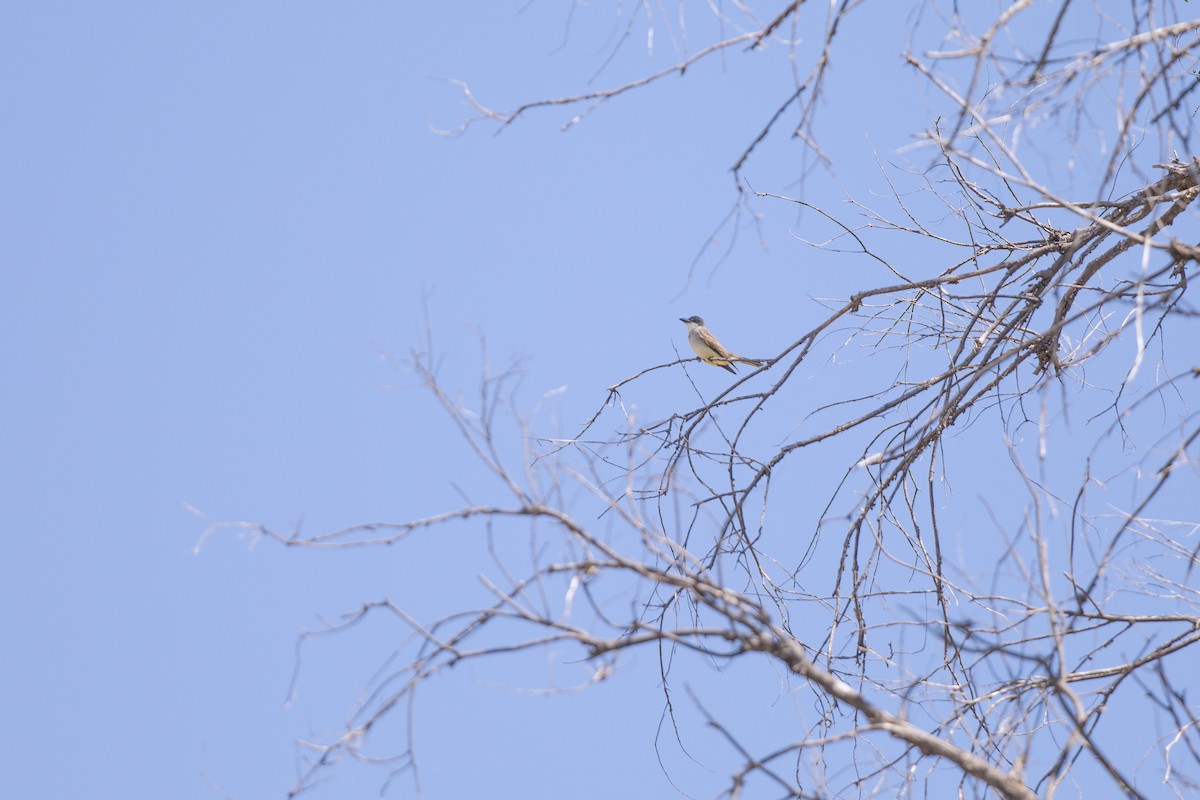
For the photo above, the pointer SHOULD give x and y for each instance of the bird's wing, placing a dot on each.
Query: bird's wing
(714, 345)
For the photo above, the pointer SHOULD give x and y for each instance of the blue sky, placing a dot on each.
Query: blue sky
(221, 225)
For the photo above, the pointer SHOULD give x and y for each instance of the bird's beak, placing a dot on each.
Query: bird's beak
(681, 319)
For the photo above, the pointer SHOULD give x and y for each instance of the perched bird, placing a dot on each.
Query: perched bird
(710, 349)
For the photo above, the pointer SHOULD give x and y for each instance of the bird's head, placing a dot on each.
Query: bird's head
(692, 322)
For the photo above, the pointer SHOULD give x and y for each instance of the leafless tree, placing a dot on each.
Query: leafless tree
(949, 643)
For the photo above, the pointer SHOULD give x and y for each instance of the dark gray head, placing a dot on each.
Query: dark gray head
(691, 320)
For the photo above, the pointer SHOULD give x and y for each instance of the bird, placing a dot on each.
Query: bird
(710, 350)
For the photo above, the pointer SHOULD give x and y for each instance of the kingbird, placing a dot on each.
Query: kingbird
(710, 350)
